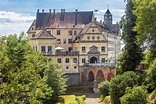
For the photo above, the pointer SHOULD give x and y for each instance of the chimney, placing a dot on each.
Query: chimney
(49, 10)
(53, 13)
(38, 10)
(100, 21)
(42, 10)
(76, 17)
(95, 19)
(62, 14)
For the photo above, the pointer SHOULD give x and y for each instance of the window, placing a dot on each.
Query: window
(88, 37)
(70, 32)
(59, 60)
(98, 37)
(36, 48)
(75, 67)
(69, 40)
(58, 32)
(33, 35)
(74, 60)
(67, 60)
(67, 67)
(64, 40)
(43, 49)
(93, 37)
(69, 49)
(75, 33)
(49, 49)
(32, 28)
(83, 60)
(83, 49)
(92, 30)
(58, 41)
(103, 49)
(102, 60)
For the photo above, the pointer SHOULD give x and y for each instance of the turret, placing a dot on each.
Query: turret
(108, 20)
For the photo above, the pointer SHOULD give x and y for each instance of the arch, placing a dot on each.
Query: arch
(93, 60)
(99, 75)
(110, 76)
(90, 76)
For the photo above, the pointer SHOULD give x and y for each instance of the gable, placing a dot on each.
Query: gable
(93, 33)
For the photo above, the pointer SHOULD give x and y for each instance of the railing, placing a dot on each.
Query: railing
(74, 53)
(47, 53)
(100, 64)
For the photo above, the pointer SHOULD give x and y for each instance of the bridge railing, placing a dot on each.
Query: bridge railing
(100, 64)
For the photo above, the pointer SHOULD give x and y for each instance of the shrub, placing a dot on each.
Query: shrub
(119, 84)
(83, 97)
(104, 88)
(80, 100)
(151, 76)
(136, 95)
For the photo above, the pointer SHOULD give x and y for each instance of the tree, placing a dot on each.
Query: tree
(151, 76)
(56, 80)
(119, 84)
(136, 95)
(104, 88)
(132, 53)
(22, 78)
(145, 11)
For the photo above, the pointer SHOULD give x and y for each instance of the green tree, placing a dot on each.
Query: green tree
(22, 78)
(56, 80)
(151, 76)
(145, 10)
(136, 95)
(104, 88)
(119, 84)
(132, 53)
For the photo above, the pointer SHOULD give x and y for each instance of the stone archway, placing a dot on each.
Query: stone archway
(110, 76)
(93, 59)
(100, 75)
(91, 76)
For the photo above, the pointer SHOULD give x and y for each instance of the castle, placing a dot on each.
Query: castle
(75, 39)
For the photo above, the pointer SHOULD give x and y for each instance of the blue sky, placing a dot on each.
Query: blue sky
(17, 15)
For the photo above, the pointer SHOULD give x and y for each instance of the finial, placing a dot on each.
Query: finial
(107, 6)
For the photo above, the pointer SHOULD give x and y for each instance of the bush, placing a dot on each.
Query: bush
(106, 100)
(104, 88)
(80, 100)
(83, 97)
(136, 95)
(119, 84)
(151, 76)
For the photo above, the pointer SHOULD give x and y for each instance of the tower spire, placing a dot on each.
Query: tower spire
(107, 6)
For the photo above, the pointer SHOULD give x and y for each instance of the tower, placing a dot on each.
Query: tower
(108, 20)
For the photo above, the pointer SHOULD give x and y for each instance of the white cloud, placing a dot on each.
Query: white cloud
(11, 22)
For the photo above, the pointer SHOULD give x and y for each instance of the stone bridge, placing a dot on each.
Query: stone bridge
(97, 74)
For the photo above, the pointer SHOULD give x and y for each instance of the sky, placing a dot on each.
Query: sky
(17, 15)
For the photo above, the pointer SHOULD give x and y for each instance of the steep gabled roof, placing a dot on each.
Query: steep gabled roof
(43, 34)
(69, 19)
(33, 24)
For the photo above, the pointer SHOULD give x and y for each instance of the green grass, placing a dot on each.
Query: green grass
(72, 99)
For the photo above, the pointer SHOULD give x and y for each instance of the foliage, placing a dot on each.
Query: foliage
(72, 99)
(22, 78)
(106, 100)
(151, 76)
(20, 81)
(119, 84)
(136, 95)
(145, 25)
(132, 53)
(104, 88)
(55, 79)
